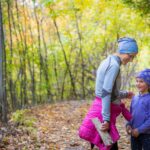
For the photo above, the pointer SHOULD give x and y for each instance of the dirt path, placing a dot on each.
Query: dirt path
(57, 127)
(59, 123)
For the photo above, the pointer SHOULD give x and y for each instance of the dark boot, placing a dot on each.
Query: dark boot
(115, 146)
(92, 146)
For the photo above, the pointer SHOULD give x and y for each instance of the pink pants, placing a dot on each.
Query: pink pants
(87, 130)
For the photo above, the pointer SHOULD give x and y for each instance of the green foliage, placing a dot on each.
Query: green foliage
(21, 117)
(48, 2)
(85, 30)
(142, 5)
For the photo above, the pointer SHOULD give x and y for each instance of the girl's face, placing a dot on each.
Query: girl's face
(141, 85)
(128, 58)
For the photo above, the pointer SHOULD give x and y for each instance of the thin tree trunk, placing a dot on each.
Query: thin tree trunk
(32, 73)
(32, 66)
(21, 63)
(24, 59)
(11, 86)
(66, 61)
(63, 84)
(81, 54)
(55, 72)
(19, 70)
(39, 51)
(3, 100)
(49, 94)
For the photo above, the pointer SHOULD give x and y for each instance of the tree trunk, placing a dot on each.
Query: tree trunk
(66, 61)
(20, 55)
(31, 65)
(39, 51)
(11, 84)
(24, 59)
(82, 59)
(3, 100)
(45, 67)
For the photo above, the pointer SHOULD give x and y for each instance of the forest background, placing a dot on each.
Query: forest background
(50, 49)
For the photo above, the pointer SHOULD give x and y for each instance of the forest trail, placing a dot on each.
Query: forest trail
(57, 129)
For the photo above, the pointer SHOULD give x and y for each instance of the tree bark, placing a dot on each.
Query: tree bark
(11, 84)
(66, 61)
(39, 51)
(82, 59)
(3, 100)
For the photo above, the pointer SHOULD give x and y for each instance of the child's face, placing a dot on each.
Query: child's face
(128, 58)
(141, 85)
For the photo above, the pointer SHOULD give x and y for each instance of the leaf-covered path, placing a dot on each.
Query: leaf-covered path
(57, 129)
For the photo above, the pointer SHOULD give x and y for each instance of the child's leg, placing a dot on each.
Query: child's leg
(145, 140)
(136, 144)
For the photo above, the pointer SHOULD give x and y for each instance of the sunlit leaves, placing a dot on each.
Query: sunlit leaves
(90, 26)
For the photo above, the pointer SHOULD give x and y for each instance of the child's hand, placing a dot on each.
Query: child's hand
(128, 129)
(135, 133)
(105, 126)
(130, 95)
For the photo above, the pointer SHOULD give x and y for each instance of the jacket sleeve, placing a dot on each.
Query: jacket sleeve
(109, 80)
(125, 112)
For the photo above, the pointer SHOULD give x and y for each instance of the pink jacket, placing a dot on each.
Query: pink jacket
(87, 130)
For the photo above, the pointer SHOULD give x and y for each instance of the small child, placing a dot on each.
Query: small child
(139, 126)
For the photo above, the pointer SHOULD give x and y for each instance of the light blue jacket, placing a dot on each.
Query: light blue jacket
(108, 83)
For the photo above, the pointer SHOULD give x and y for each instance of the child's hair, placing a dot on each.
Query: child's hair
(149, 89)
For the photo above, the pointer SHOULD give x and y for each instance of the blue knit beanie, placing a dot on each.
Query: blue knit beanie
(145, 75)
(127, 45)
